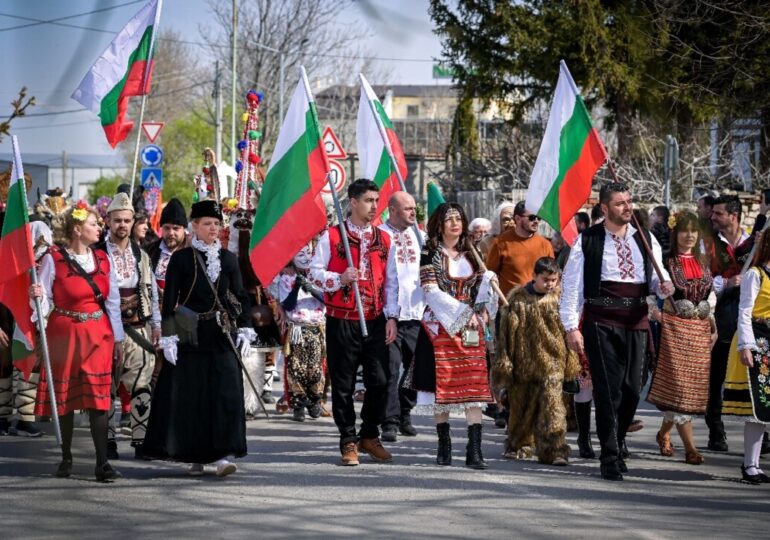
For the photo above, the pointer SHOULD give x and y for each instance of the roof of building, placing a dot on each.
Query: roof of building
(74, 161)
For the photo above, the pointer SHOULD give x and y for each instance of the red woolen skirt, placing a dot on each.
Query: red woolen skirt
(81, 365)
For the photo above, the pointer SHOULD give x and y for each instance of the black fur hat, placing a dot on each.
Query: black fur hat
(174, 213)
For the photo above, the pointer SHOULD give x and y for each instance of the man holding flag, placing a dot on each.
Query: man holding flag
(347, 346)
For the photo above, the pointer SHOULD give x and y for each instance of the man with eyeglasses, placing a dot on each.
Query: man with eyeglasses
(515, 251)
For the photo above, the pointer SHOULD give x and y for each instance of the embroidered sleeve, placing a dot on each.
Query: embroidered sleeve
(392, 309)
(749, 290)
(487, 297)
(571, 305)
(112, 303)
(452, 314)
(155, 320)
(321, 277)
(657, 253)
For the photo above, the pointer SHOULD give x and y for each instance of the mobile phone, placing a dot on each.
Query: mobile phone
(766, 196)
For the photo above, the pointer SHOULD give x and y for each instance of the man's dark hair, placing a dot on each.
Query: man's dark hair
(361, 186)
(596, 212)
(662, 211)
(520, 208)
(546, 265)
(582, 218)
(732, 204)
(708, 200)
(605, 193)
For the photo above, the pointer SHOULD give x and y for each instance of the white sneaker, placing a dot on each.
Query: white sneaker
(224, 468)
(196, 469)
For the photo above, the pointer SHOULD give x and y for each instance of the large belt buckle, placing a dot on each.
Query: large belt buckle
(606, 301)
(82, 317)
(627, 302)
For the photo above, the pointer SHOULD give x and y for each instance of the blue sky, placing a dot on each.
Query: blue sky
(51, 60)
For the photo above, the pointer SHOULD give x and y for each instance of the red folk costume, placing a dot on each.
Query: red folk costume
(81, 351)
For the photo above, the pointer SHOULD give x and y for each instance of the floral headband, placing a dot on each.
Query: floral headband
(80, 213)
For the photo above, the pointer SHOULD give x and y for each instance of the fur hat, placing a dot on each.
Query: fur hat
(207, 208)
(174, 213)
(120, 202)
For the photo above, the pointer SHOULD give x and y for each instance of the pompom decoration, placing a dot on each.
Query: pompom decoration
(231, 204)
(253, 158)
(253, 134)
(206, 170)
(238, 166)
(245, 117)
(253, 98)
(261, 96)
(195, 196)
(242, 144)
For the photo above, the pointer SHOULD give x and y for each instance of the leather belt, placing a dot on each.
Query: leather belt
(207, 316)
(80, 316)
(615, 302)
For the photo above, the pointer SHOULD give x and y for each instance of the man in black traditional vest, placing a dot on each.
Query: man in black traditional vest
(607, 278)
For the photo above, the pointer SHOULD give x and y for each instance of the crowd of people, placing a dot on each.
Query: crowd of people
(487, 317)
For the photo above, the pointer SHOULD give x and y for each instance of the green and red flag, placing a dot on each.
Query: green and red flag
(290, 210)
(435, 198)
(123, 70)
(570, 155)
(17, 259)
(371, 135)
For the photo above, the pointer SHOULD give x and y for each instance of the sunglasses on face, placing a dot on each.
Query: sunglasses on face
(533, 218)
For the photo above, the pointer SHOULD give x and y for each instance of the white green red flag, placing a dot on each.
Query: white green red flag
(290, 211)
(123, 70)
(17, 259)
(373, 154)
(570, 155)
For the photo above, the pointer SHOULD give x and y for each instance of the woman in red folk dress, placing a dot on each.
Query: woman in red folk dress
(83, 340)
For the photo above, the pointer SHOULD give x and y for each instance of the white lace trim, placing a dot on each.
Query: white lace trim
(168, 341)
(86, 260)
(213, 264)
(438, 408)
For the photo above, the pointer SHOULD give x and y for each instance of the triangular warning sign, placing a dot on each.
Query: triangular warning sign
(152, 130)
(332, 144)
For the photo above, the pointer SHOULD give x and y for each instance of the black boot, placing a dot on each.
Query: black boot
(299, 414)
(473, 457)
(444, 454)
(583, 418)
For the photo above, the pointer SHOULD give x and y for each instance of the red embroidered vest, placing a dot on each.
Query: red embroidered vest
(341, 304)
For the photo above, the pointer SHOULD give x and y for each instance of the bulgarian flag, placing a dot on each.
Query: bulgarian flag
(376, 140)
(122, 71)
(290, 211)
(17, 259)
(570, 155)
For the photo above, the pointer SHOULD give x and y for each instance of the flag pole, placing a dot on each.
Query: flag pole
(336, 199)
(389, 149)
(145, 91)
(38, 305)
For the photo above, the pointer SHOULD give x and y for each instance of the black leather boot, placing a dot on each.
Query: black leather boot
(473, 457)
(583, 418)
(444, 453)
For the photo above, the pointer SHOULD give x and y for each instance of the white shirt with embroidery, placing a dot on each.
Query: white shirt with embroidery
(622, 261)
(308, 309)
(123, 267)
(329, 281)
(406, 265)
(163, 260)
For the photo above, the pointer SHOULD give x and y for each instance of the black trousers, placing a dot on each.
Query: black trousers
(617, 360)
(719, 355)
(400, 400)
(346, 349)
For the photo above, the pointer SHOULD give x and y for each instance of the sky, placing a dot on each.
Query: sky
(50, 60)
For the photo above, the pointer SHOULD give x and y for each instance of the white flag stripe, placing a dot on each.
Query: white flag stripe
(546, 168)
(368, 138)
(110, 68)
(294, 124)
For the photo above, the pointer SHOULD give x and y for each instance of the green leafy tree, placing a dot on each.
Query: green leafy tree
(104, 186)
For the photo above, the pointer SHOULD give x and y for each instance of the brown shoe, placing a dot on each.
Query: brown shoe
(693, 458)
(374, 448)
(350, 454)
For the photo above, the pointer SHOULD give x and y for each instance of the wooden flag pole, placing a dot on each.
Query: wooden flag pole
(336, 199)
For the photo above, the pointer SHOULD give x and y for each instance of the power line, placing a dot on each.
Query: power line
(38, 22)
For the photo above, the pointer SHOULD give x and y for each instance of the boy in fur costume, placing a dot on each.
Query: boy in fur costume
(533, 362)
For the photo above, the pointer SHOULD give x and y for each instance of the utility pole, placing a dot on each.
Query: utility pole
(64, 171)
(233, 82)
(217, 95)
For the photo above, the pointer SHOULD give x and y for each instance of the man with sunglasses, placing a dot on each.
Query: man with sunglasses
(515, 251)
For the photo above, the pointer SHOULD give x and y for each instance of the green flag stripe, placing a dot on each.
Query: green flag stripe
(285, 183)
(383, 116)
(571, 142)
(384, 169)
(109, 108)
(16, 214)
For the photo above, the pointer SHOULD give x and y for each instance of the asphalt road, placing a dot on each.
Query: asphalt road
(290, 485)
